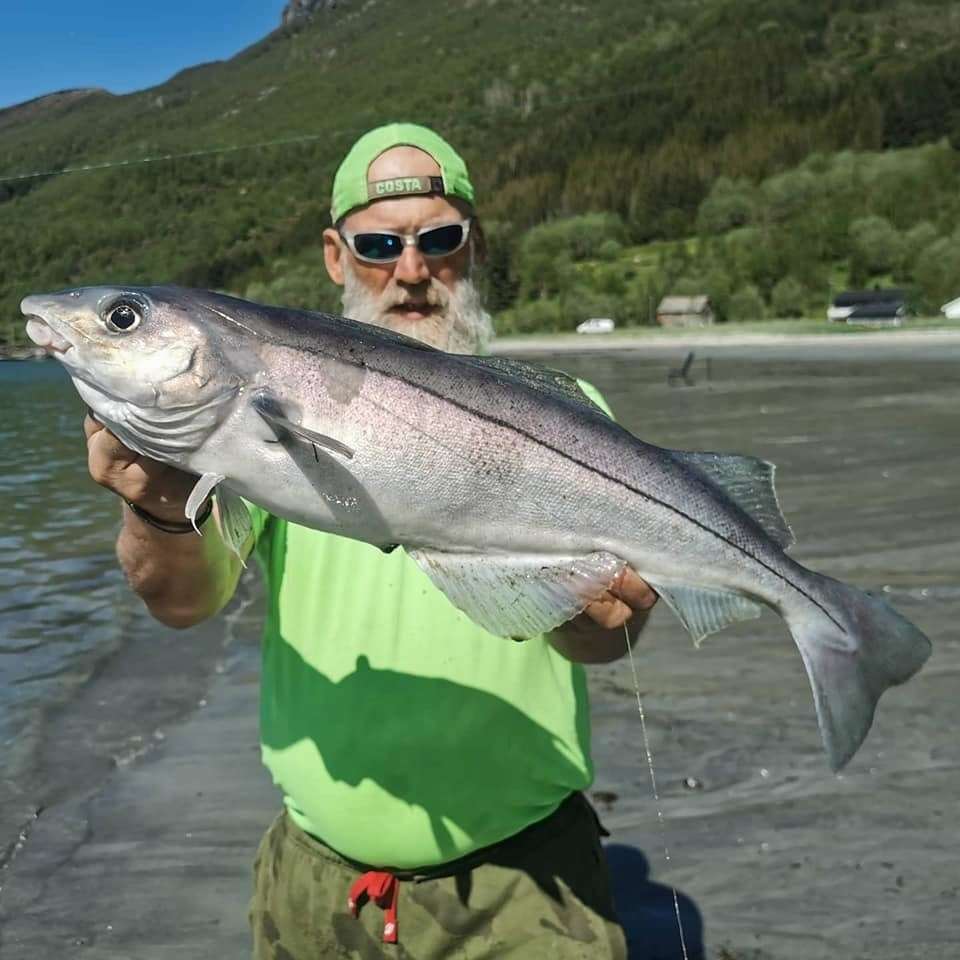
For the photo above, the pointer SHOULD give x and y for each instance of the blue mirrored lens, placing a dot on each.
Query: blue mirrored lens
(378, 246)
(443, 240)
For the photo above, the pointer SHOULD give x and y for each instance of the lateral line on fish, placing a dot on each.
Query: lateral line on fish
(580, 463)
(364, 364)
(233, 320)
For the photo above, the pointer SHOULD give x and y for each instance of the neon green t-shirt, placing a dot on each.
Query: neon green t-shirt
(400, 732)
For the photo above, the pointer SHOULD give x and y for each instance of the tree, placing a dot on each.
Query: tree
(876, 244)
(730, 203)
(747, 304)
(789, 298)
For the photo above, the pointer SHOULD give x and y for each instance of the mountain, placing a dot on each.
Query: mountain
(297, 11)
(220, 177)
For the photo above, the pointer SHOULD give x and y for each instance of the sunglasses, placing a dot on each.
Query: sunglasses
(383, 247)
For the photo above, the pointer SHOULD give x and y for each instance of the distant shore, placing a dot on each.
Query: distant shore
(23, 353)
(730, 335)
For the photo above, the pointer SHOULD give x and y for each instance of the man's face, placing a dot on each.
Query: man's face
(430, 298)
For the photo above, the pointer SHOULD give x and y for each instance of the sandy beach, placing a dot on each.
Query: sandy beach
(774, 857)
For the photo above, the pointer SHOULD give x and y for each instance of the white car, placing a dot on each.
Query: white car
(596, 325)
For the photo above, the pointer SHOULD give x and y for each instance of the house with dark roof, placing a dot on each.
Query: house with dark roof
(883, 307)
(685, 311)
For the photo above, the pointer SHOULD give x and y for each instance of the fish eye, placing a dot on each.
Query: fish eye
(123, 316)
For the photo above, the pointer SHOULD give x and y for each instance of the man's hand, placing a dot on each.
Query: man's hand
(627, 595)
(597, 635)
(183, 579)
(157, 488)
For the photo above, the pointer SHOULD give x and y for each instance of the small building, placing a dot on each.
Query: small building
(951, 310)
(872, 307)
(685, 311)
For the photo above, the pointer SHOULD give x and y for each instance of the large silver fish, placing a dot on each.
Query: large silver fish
(518, 497)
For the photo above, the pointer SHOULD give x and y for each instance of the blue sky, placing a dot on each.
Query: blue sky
(48, 45)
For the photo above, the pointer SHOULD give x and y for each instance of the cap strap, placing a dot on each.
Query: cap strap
(403, 187)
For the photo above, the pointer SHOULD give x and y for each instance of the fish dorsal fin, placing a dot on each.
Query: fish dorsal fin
(748, 482)
(705, 610)
(519, 596)
(543, 379)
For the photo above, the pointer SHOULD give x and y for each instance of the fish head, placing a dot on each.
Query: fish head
(138, 356)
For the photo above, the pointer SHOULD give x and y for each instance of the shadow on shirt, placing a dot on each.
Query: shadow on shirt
(406, 733)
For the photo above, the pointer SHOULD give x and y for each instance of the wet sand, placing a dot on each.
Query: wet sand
(774, 855)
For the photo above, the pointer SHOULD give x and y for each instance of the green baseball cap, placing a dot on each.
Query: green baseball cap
(351, 189)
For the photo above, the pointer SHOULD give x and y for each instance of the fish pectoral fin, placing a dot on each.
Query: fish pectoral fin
(233, 521)
(274, 414)
(747, 481)
(201, 490)
(705, 610)
(519, 596)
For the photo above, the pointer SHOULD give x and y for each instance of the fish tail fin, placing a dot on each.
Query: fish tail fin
(854, 647)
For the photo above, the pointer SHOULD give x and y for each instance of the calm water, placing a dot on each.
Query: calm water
(62, 604)
(87, 678)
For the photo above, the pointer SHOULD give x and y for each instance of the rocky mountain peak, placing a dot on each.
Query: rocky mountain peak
(297, 11)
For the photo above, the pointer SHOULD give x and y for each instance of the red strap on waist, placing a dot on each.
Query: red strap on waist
(383, 889)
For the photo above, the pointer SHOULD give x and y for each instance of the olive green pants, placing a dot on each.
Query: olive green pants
(543, 893)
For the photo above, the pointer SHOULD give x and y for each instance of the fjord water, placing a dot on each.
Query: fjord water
(61, 602)
(66, 613)
(780, 858)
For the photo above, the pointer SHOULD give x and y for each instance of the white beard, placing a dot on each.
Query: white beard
(458, 323)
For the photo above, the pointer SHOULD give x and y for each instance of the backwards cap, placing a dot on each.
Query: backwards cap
(351, 189)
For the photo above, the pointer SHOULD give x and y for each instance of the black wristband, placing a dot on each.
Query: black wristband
(171, 526)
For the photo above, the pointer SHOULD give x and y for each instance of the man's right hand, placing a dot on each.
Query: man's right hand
(182, 578)
(160, 490)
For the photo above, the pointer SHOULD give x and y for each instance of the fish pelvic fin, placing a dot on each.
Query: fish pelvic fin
(233, 521)
(232, 517)
(853, 649)
(748, 482)
(201, 490)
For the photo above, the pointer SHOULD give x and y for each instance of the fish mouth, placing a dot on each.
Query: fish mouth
(39, 329)
(43, 335)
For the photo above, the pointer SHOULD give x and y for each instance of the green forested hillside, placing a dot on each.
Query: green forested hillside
(753, 125)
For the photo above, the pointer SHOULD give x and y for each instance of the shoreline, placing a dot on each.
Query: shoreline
(704, 337)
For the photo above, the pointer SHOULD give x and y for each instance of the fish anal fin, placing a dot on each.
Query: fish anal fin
(748, 481)
(705, 610)
(519, 596)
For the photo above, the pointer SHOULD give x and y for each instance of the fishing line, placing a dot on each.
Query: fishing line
(656, 795)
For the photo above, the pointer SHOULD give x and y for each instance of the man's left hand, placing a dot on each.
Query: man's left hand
(627, 595)
(597, 635)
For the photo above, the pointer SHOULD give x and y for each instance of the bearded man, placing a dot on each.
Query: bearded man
(427, 767)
